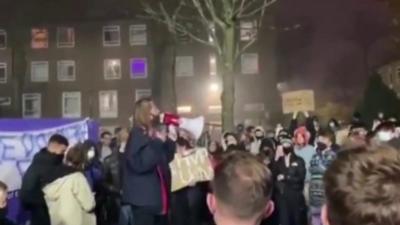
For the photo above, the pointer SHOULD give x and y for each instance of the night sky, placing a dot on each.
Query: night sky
(328, 50)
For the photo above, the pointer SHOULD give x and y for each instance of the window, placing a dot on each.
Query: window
(138, 34)
(142, 93)
(66, 70)
(138, 68)
(184, 66)
(71, 104)
(40, 38)
(111, 36)
(112, 69)
(5, 101)
(213, 65)
(215, 109)
(184, 109)
(40, 71)
(249, 63)
(248, 30)
(3, 39)
(65, 37)
(31, 105)
(254, 107)
(108, 104)
(3, 73)
(211, 34)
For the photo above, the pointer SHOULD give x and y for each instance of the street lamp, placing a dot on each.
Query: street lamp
(214, 87)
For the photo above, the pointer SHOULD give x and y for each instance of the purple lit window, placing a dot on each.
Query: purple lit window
(138, 68)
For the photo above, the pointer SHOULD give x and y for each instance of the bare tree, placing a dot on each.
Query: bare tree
(214, 23)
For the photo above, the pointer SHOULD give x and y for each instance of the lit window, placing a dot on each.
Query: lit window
(138, 68)
(248, 30)
(5, 101)
(184, 66)
(112, 69)
(212, 33)
(184, 109)
(213, 65)
(138, 34)
(40, 38)
(40, 71)
(3, 73)
(65, 37)
(215, 109)
(66, 70)
(31, 105)
(111, 36)
(108, 104)
(71, 104)
(142, 93)
(3, 39)
(254, 107)
(249, 63)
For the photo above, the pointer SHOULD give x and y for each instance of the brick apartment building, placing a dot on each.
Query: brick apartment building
(98, 68)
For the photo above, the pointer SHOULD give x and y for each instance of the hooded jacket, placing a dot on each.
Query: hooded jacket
(70, 201)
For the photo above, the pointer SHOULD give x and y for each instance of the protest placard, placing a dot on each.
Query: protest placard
(298, 101)
(190, 169)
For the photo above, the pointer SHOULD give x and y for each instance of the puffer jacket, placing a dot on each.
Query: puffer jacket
(70, 201)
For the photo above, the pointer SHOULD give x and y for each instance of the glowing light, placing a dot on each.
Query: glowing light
(184, 109)
(214, 87)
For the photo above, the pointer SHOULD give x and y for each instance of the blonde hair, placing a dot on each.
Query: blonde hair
(142, 111)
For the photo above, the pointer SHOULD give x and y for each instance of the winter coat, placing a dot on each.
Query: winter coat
(146, 174)
(318, 166)
(70, 201)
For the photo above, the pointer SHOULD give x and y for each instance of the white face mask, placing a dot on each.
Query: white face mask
(385, 136)
(91, 154)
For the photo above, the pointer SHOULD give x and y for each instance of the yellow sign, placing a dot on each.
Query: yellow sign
(191, 169)
(298, 101)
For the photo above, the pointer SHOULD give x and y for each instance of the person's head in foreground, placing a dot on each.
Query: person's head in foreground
(241, 188)
(3, 199)
(76, 156)
(362, 188)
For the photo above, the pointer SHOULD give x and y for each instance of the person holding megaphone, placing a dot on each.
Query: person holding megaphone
(146, 175)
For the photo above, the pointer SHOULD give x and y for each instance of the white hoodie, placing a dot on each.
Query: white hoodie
(70, 201)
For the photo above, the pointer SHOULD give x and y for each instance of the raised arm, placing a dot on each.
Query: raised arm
(142, 154)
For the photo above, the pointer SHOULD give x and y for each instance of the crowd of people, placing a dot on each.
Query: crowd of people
(296, 176)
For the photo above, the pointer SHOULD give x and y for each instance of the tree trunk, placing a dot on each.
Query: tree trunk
(168, 89)
(18, 68)
(164, 73)
(227, 59)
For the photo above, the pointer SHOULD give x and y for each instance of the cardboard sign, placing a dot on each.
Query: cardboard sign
(298, 101)
(191, 169)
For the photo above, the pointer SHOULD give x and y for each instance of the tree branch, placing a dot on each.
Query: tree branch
(254, 12)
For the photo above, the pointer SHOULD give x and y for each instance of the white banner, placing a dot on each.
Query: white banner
(17, 149)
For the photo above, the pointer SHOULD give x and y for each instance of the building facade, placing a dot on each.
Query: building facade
(98, 69)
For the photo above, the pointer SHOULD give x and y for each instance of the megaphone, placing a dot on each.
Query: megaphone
(195, 126)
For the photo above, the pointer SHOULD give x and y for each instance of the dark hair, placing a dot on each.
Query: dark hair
(242, 184)
(77, 155)
(105, 133)
(142, 111)
(117, 130)
(3, 186)
(327, 134)
(362, 187)
(227, 134)
(59, 139)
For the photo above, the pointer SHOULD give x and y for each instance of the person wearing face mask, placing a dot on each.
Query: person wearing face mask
(36, 177)
(259, 135)
(318, 165)
(305, 151)
(289, 172)
(69, 198)
(3, 205)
